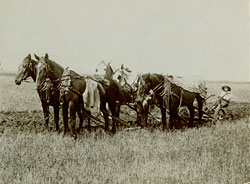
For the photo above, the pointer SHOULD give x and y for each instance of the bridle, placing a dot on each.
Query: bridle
(27, 70)
(148, 83)
(168, 94)
(47, 78)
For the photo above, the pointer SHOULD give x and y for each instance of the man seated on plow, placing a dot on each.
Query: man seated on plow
(223, 100)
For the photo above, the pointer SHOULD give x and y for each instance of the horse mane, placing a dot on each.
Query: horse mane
(34, 62)
(55, 67)
(54, 64)
(33, 69)
(153, 78)
(31, 60)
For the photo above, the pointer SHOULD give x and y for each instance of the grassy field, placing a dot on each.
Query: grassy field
(217, 153)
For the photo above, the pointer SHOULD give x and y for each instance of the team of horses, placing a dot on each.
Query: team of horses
(58, 86)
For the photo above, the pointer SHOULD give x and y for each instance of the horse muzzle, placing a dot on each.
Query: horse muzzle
(18, 82)
(146, 102)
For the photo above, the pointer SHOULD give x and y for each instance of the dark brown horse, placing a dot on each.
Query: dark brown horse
(113, 94)
(175, 96)
(159, 90)
(147, 82)
(69, 86)
(48, 81)
(28, 68)
(73, 86)
(110, 95)
(71, 95)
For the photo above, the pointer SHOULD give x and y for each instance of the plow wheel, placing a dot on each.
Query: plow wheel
(222, 115)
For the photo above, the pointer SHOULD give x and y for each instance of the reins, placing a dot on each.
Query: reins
(158, 87)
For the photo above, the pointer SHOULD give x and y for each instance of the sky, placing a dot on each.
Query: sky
(209, 38)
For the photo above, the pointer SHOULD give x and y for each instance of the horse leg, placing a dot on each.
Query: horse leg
(80, 115)
(65, 106)
(56, 116)
(200, 106)
(163, 117)
(89, 114)
(139, 113)
(173, 113)
(81, 112)
(145, 112)
(45, 107)
(113, 107)
(105, 115)
(191, 112)
(167, 124)
(171, 119)
(72, 111)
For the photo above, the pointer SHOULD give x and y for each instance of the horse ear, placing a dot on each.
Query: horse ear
(29, 56)
(128, 70)
(37, 57)
(116, 70)
(149, 79)
(46, 57)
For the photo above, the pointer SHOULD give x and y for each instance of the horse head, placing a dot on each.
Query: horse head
(148, 92)
(49, 69)
(122, 74)
(48, 76)
(143, 87)
(26, 69)
(105, 69)
(43, 72)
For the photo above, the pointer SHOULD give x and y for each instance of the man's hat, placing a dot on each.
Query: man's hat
(226, 87)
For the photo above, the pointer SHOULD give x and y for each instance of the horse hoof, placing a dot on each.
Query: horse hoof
(46, 127)
(66, 130)
(78, 130)
(64, 133)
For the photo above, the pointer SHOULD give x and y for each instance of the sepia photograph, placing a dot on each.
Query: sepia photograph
(125, 91)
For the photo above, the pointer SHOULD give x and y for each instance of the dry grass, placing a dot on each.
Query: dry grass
(18, 98)
(219, 154)
(28, 154)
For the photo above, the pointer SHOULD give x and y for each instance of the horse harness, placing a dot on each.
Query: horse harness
(66, 83)
(48, 85)
(166, 93)
(49, 88)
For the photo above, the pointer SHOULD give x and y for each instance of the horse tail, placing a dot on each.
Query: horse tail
(100, 89)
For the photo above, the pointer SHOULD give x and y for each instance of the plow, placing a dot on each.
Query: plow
(209, 113)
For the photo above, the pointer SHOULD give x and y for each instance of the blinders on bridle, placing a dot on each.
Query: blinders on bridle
(27, 69)
(47, 76)
(48, 70)
(145, 85)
